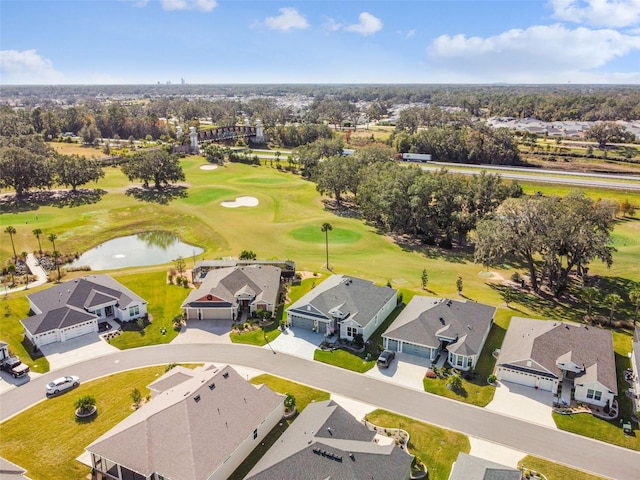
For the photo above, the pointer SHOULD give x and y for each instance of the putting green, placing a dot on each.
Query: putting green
(313, 234)
(208, 195)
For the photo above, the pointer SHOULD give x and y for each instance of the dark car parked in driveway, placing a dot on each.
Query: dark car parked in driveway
(385, 358)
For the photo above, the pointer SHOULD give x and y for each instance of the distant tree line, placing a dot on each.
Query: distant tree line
(545, 102)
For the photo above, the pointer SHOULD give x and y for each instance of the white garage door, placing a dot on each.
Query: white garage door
(301, 322)
(47, 338)
(546, 384)
(78, 330)
(520, 378)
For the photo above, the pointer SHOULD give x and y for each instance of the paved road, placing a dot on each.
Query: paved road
(564, 178)
(562, 447)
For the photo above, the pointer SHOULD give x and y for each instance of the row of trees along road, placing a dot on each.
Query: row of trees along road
(567, 233)
(26, 163)
(408, 200)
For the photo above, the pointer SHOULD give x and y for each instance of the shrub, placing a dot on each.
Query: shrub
(358, 341)
(85, 403)
(491, 378)
(516, 277)
(454, 383)
(136, 396)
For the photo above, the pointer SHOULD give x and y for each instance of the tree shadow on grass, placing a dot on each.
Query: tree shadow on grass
(57, 198)
(410, 243)
(162, 196)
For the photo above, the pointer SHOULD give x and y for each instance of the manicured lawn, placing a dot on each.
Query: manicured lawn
(477, 391)
(344, 359)
(47, 438)
(436, 447)
(12, 309)
(358, 362)
(286, 225)
(304, 395)
(554, 471)
(611, 432)
(164, 304)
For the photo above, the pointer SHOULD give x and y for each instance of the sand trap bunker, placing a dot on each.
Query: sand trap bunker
(241, 202)
(208, 167)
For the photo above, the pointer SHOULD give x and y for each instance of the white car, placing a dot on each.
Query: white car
(62, 383)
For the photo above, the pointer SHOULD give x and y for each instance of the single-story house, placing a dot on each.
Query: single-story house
(428, 326)
(75, 308)
(225, 292)
(201, 428)
(200, 270)
(468, 467)
(635, 364)
(545, 354)
(343, 305)
(326, 441)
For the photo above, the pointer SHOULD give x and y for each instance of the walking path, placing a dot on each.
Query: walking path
(36, 270)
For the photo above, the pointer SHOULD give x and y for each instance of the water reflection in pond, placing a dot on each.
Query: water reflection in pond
(143, 249)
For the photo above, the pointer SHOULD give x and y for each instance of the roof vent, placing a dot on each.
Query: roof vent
(352, 457)
(442, 320)
(197, 398)
(567, 327)
(469, 327)
(329, 430)
(225, 374)
(212, 386)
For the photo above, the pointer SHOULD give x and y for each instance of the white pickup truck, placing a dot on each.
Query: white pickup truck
(14, 366)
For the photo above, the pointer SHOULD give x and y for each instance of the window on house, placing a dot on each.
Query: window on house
(459, 361)
(469, 362)
(597, 396)
(590, 393)
(351, 331)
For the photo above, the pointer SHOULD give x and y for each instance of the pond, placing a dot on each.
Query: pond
(143, 249)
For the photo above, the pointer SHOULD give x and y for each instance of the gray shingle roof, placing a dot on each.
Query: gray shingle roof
(301, 445)
(425, 319)
(65, 305)
(536, 346)
(360, 300)
(224, 284)
(468, 467)
(178, 437)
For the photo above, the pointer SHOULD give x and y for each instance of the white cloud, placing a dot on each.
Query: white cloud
(550, 53)
(602, 13)
(27, 66)
(367, 24)
(410, 33)
(330, 25)
(200, 5)
(288, 19)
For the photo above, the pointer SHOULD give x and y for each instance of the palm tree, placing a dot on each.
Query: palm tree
(326, 228)
(37, 232)
(612, 300)
(589, 295)
(634, 296)
(11, 269)
(85, 404)
(11, 231)
(52, 238)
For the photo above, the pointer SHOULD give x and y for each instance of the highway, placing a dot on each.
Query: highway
(597, 180)
(562, 447)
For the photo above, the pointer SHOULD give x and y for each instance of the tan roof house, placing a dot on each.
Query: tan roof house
(199, 425)
(226, 292)
(545, 354)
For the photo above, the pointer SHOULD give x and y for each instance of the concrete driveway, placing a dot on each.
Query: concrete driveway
(297, 341)
(522, 402)
(406, 370)
(205, 331)
(76, 350)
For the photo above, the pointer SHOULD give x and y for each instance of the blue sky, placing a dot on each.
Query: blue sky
(319, 41)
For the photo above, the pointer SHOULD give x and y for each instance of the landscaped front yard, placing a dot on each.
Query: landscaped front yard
(608, 431)
(554, 471)
(436, 447)
(476, 390)
(47, 438)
